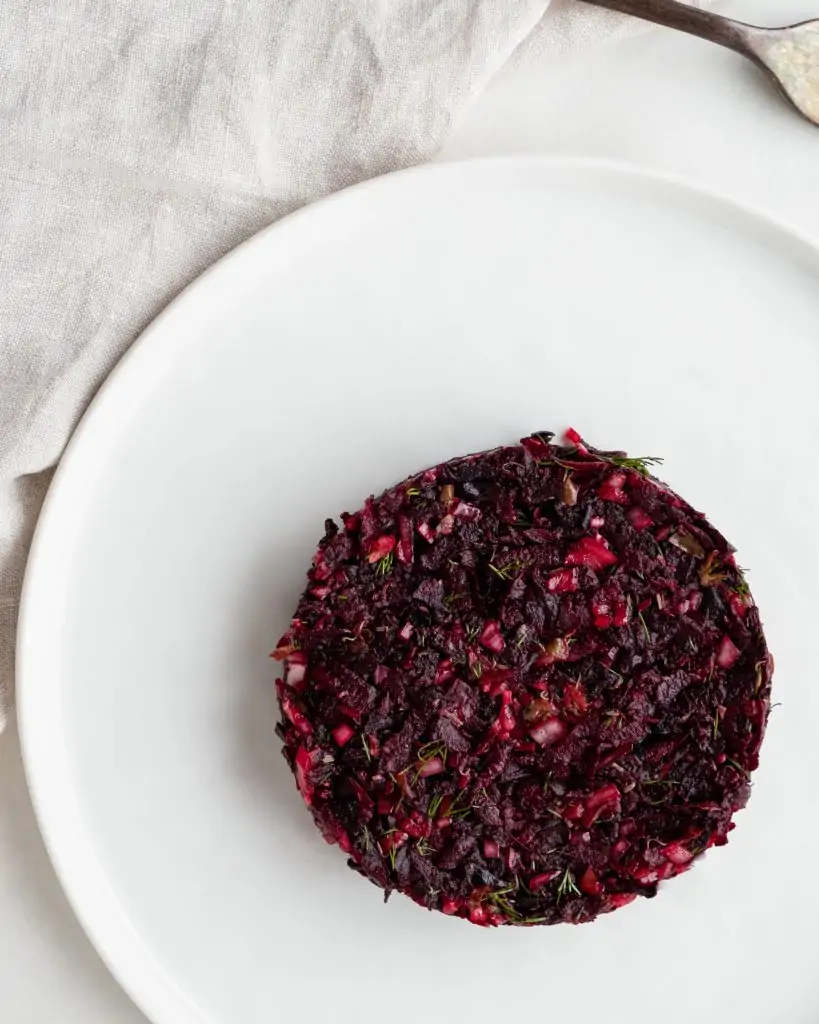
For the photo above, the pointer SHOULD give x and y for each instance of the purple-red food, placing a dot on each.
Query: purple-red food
(525, 686)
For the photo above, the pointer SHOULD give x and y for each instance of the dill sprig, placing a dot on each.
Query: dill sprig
(567, 886)
(455, 812)
(498, 898)
(741, 586)
(758, 676)
(639, 465)
(434, 804)
(504, 572)
(426, 753)
(643, 624)
(384, 566)
(435, 748)
(712, 571)
(738, 767)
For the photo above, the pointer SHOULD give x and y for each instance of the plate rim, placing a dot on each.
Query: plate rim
(92, 900)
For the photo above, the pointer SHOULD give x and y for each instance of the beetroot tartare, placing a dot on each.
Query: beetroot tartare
(525, 686)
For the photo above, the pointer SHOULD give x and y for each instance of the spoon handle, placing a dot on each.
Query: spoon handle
(693, 20)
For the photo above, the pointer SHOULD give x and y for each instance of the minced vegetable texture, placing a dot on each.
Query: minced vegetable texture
(525, 686)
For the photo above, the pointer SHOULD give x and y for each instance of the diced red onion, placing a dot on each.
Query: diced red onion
(446, 525)
(562, 581)
(537, 882)
(463, 510)
(434, 766)
(296, 669)
(550, 731)
(727, 653)
(677, 853)
(491, 637)
(427, 532)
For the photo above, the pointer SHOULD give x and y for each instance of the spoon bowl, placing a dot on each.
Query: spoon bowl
(789, 55)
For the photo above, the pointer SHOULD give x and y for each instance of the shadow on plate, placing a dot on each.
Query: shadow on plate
(262, 615)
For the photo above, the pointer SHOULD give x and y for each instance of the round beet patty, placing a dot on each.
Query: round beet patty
(525, 686)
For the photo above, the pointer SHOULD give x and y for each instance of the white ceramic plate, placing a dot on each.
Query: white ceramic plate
(417, 317)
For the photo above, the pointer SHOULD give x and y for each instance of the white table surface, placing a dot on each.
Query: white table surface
(660, 100)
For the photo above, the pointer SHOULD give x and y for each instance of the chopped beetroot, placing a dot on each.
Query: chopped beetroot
(343, 733)
(575, 703)
(591, 551)
(575, 439)
(380, 547)
(525, 686)
(605, 802)
(404, 549)
(612, 489)
(589, 883)
(639, 518)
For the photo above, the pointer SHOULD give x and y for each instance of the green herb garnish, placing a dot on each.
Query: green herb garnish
(643, 624)
(738, 767)
(567, 886)
(504, 572)
(384, 566)
(639, 465)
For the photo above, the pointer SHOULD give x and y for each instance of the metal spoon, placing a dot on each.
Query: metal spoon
(789, 55)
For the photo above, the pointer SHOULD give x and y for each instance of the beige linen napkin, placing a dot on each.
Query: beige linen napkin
(142, 139)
